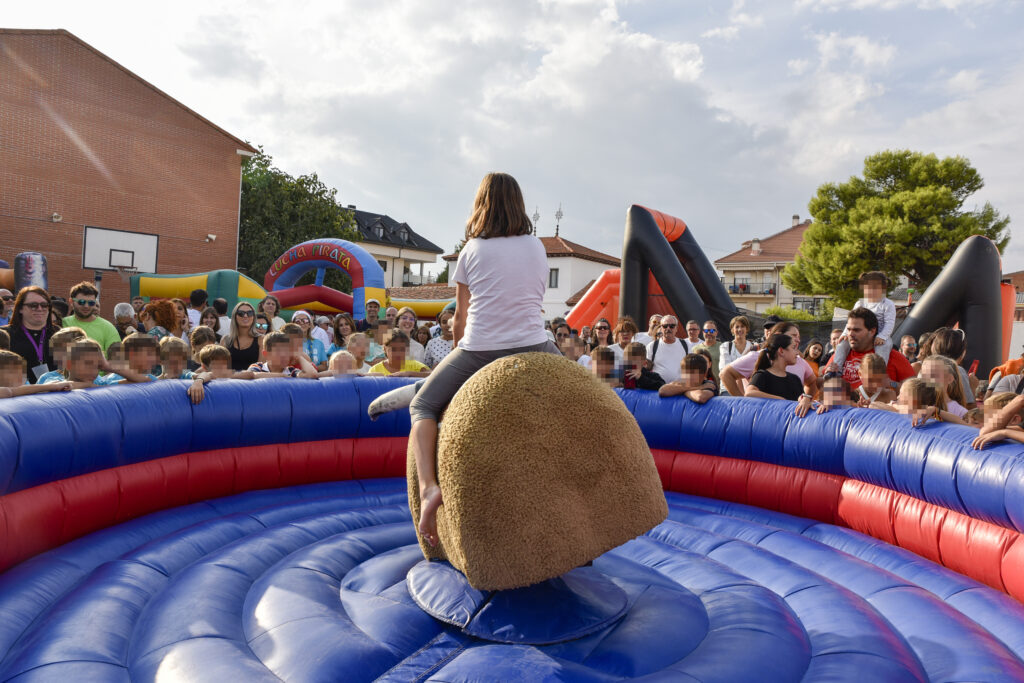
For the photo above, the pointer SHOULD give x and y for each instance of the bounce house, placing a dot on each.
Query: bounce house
(319, 255)
(264, 535)
(664, 270)
(29, 270)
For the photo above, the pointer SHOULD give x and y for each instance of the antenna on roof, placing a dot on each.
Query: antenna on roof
(558, 218)
(535, 217)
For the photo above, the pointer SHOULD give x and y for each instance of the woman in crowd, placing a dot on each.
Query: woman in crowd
(124, 319)
(740, 345)
(623, 335)
(30, 331)
(944, 372)
(601, 334)
(771, 378)
(209, 318)
(924, 349)
(441, 345)
(241, 339)
(813, 353)
(341, 327)
(58, 311)
(952, 343)
(184, 324)
(406, 322)
(159, 319)
(262, 324)
(423, 335)
(311, 346)
(270, 307)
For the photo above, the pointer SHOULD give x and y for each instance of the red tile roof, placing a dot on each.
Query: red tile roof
(778, 248)
(423, 292)
(575, 298)
(559, 246)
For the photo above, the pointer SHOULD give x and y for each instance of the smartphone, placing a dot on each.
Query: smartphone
(974, 367)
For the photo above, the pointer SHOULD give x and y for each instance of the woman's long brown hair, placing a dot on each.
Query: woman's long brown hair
(499, 209)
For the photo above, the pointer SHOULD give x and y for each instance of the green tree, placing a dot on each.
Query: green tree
(787, 313)
(279, 211)
(904, 217)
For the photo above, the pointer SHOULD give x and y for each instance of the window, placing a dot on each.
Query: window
(383, 265)
(553, 278)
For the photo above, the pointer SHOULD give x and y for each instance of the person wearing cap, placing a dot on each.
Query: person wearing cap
(369, 323)
(322, 330)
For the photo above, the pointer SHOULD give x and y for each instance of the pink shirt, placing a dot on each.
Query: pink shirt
(745, 366)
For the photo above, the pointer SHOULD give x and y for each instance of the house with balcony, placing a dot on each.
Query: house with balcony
(753, 274)
(400, 250)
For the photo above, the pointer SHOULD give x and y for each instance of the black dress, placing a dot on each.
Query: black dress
(241, 359)
(27, 349)
(789, 387)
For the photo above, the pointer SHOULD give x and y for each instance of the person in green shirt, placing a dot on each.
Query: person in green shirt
(712, 346)
(85, 306)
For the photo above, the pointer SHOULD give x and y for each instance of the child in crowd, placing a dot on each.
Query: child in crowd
(84, 361)
(635, 374)
(922, 400)
(359, 347)
(280, 358)
(875, 382)
(297, 341)
(693, 382)
(396, 345)
(60, 343)
(198, 339)
(174, 358)
(711, 365)
(1012, 431)
(771, 379)
(602, 365)
(141, 355)
(12, 378)
(975, 417)
(341, 363)
(873, 285)
(578, 345)
(835, 394)
(214, 363)
(943, 371)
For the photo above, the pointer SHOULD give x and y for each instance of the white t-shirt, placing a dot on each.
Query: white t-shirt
(667, 362)
(416, 351)
(643, 338)
(730, 353)
(584, 361)
(225, 325)
(745, 366)
(323, 335)
(617, 350)
(193, 317)
(507, 277)
(885, 311)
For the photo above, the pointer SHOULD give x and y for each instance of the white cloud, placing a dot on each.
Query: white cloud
(797, 67)
(858, 49)
(737, 19)
(964, 82)
(834, 5)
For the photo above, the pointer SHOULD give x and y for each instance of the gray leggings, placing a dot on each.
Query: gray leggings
(452, 372)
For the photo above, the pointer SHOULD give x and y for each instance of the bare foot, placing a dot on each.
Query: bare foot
(430, 500)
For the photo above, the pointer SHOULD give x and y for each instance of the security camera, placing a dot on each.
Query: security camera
(211, 238)
(56, 217)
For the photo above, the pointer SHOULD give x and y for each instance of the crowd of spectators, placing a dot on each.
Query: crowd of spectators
(52, 344)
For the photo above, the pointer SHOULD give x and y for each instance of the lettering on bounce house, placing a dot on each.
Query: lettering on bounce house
(322, 254)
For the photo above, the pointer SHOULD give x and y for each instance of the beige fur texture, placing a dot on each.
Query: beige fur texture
(541, 468)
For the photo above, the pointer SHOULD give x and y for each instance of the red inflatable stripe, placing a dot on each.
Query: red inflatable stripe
(981, 550)
(35, 520)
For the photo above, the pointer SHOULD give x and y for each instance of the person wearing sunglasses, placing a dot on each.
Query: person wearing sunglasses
(85, 313)
(711, 345)
(241, 339)
(6, 306)
(30, 331)
(667, 352)
(262, 325)
(601, 334)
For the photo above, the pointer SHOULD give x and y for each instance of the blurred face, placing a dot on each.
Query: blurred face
(86, 306)
(906, 398)
(935, 371)
(395, 352)
(341, 364)
(173, 364)
(278, 356)
(668, 328)
(633, 362)
(691, 377)
(602, 368)
(219, 366)
(34, 311)
(359, 349)
(85, 368)
(143, 360)
(739, 330)
(568, 349)
(873, 291)
(834, 394)
(11, 377)
(295, 344)
(406, 322)
(908, 346)
(874, 380)
(693, 331)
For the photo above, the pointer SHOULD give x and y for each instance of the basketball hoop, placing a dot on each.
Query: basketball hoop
(126, 272)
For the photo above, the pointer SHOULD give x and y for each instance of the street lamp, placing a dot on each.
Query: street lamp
(535, 217)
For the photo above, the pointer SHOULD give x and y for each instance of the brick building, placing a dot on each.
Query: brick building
(85, 142)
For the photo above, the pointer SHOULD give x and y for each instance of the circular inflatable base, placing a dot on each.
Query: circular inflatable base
(309, 583)
(576, 604)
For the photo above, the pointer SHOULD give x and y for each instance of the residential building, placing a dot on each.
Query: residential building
(753, 274)
(86, 142)
(400, 250)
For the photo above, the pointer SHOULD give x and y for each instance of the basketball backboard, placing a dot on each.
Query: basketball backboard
(104, 249)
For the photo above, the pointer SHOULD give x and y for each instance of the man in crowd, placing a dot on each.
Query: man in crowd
(137, 303)
(372, 316)
(692, 337)
(6, 306)
(833, 342)
(908, 347)
(224, 322)
(390, 315)
(666, 353)
(322, 331)
(861, 328)
(651, 334)
(85, 306)
(196, 304)
(711, 344)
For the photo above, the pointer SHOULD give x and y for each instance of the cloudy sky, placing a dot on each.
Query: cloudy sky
(726, 114)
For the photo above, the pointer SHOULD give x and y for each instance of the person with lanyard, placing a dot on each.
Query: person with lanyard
(85, 304)
(30, 331)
